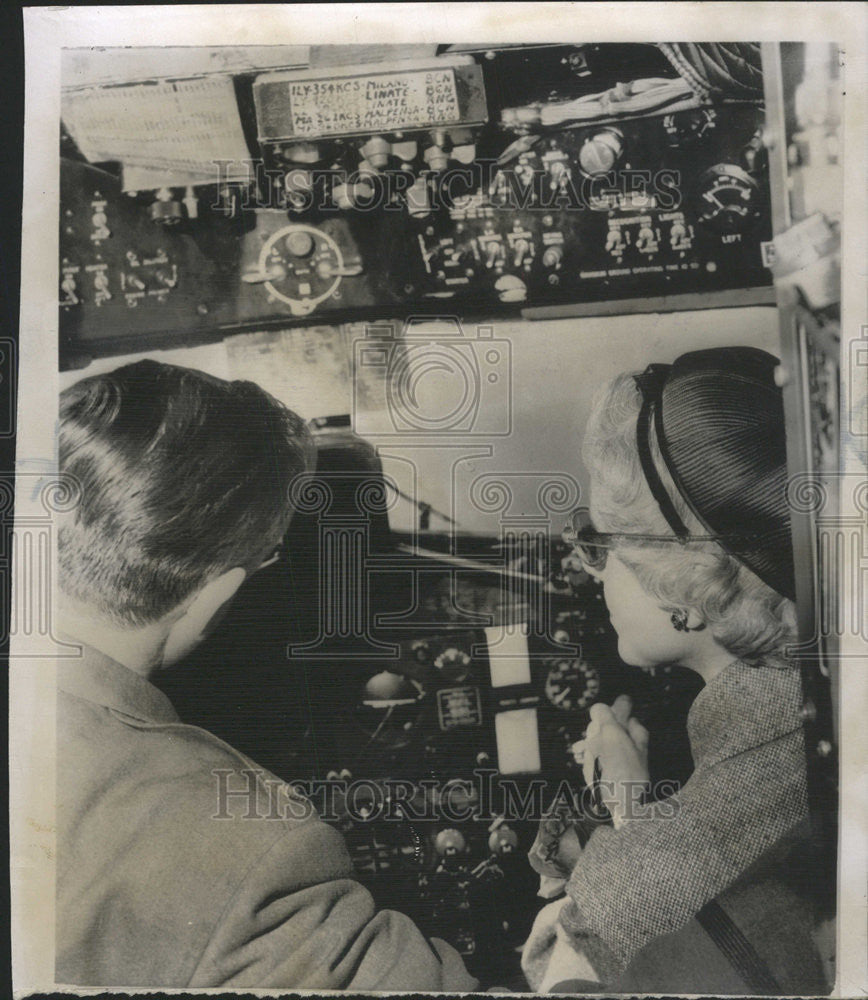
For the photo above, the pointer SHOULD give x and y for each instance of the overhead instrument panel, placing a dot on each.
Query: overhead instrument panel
(490, 181)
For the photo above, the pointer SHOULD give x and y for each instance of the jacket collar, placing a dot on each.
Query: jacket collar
(97, 678)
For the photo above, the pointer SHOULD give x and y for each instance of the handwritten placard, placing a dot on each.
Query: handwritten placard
(373, 103)
(179, 126)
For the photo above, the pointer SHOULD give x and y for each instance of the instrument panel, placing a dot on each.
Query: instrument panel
(403, 186)
(442, 774)
(437, 758)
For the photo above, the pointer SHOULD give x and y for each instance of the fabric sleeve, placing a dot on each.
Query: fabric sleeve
(298, 921)
(651, 876)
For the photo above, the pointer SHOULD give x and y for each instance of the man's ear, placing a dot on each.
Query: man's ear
(192, 626)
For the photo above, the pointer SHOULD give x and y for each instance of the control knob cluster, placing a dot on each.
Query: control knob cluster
(301, 266)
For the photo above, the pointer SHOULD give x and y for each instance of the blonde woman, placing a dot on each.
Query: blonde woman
(688, 534)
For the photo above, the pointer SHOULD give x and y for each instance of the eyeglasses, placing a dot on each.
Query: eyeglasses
(593, 546)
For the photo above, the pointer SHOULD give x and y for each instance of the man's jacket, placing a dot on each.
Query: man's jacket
(164, 880)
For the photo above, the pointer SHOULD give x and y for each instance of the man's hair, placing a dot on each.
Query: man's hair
(746, 616)
(182, 476)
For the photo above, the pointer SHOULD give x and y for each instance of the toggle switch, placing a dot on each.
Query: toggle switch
(521, 248)
(553, 256)
(493, 253)
(419, 199)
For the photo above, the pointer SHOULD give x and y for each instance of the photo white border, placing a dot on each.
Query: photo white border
(48, 29)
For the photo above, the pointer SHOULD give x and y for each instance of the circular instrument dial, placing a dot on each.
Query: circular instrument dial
(571, 684)
(728, 199)
(685, 129)
(453, 664)
(304, 266)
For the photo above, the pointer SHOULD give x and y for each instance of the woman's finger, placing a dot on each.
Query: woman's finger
(578, 751)
(588, 764)
(600, 713)
(622, 706)
(638, 734)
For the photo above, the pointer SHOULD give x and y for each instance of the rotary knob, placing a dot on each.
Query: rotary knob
(450, 842)
(601, 152)
(165, 213)
(503, 840)
(436, 157)
(300, 243)
(510, 288)
(377, 151)
(353, 195)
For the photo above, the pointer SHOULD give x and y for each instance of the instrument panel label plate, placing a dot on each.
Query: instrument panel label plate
(380, 102)
(459, 707)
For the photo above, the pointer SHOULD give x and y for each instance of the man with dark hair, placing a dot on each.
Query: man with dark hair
(184, 491)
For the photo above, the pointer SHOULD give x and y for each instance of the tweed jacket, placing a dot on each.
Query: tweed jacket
(161, 883)
(747, 791)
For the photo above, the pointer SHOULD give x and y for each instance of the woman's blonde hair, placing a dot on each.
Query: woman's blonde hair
(745, 615)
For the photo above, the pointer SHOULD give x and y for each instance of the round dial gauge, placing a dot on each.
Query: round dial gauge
(685, 129)
(453, 664)
(728, 199)
(572, 684)
(389, 709)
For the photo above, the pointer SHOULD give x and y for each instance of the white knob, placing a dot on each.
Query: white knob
(273, 273)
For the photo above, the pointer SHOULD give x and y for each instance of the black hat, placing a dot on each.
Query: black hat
(719, 421)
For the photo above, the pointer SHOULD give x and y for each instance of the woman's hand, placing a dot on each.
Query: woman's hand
(618, 744)
(547, 958)
(554, 854)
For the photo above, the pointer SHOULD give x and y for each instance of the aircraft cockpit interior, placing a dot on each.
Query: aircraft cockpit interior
(436, 255)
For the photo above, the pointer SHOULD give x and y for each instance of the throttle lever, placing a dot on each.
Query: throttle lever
(488, 866)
